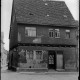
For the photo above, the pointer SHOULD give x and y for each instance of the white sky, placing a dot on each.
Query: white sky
(6, 6)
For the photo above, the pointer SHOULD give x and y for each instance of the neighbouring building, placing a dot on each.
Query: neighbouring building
(42, 36)
(3, 52)
(77, 22)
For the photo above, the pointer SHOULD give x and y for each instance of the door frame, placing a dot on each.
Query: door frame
(63, 58)
(54, 59)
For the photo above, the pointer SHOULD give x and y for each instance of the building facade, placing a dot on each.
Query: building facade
(42, 36)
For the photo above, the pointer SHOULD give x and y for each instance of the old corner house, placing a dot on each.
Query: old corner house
(42, 36)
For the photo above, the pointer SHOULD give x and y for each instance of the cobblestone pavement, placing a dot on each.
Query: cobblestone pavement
(9, 75)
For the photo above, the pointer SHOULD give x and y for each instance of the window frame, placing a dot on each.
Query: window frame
(52, 33)
(67, 31)
(41, 56)
(58, 32)
(30, 55)
(29, 34)
(19, 36)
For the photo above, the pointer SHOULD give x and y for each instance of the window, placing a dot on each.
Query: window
(39, 55)
(57, 33)
(30, 31)
(30, 54)
(67, 34)
(19, 36)
(51, 59)
(51, 33)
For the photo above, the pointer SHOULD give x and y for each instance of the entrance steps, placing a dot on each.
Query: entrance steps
(44, 72)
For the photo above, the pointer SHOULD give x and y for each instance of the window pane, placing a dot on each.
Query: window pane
(50, 32)
(57, 33)
(30, 31)
(26, 32)
(38, 54)
(67, 34)
(30, 54)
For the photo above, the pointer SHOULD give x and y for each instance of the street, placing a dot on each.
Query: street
(9, 75)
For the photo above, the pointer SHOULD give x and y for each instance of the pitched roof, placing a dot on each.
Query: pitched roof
(43, 12)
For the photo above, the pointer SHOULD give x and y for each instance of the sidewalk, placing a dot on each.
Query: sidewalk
(5, 69)
(50, 72)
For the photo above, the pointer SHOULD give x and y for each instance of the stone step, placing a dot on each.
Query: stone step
(31, 70)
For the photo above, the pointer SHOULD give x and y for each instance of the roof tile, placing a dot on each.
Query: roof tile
(36, 12)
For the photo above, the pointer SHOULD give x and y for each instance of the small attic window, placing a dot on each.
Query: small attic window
(30, 14)
(65, 16)
(46, 3)
(47, 14)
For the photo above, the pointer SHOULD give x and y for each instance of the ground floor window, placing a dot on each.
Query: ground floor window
(34, 55)
(51, 59)
(30, 54)
(39, 55)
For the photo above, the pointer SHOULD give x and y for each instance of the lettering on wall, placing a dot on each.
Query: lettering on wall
(37, 40)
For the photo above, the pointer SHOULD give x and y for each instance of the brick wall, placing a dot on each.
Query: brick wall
(43, 34)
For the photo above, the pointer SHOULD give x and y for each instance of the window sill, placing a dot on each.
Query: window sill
(51, 37)
(57, 37)
(68, 38)
(31, 36)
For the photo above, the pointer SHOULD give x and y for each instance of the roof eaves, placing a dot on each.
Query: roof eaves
(59, 25)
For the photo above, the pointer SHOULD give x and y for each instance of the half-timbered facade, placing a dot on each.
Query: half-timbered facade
(42, 36)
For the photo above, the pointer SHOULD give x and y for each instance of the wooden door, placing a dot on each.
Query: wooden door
(59, 61)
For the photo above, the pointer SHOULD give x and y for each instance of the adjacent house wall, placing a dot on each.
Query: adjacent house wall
(13, 30)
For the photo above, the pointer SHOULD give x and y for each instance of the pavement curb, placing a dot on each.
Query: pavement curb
(45, 73)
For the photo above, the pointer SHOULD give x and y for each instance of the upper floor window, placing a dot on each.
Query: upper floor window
(67, 34)
(19, 36)
(30, 31)
(51, 33)
(57, 33)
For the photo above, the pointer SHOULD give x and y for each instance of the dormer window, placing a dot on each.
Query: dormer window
(30, 14)
(65, 16)
(47, 14)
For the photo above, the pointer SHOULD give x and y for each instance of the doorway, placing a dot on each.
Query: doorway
(51, 60)
(59, 60)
